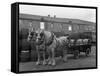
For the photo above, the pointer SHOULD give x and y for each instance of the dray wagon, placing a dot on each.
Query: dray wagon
(79, 42)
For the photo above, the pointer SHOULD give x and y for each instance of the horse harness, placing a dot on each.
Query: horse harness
(50, 40)
(43, 45)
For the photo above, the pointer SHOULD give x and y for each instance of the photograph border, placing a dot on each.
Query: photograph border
(15, 34)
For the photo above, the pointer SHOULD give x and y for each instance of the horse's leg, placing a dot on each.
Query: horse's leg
(44, 60)
(49, 57)
(49, 60)
(64, 55)
(53, 57)
(38, 61)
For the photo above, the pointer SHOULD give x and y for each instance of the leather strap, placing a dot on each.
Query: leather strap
(50, 41)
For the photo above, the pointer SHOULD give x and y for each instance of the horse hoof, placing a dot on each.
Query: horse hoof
(65, 59)
(49, 63)
(53, 64)
(37, 63)
(44, 63)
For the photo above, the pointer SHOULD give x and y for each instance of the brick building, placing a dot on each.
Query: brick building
(55, 24)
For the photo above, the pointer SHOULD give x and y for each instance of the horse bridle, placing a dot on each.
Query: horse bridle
(42, 41)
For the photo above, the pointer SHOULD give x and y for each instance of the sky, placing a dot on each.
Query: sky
(60, 12)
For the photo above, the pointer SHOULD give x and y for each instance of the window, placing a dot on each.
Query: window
(60, 26)
(70, 28)
(30, 24)
(93, 27)
(42, 25)
(51, 25)
(86, 28)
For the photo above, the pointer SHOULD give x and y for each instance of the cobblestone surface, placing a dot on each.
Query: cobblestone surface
(82, 62)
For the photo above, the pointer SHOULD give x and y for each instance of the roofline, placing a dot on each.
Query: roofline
(51, 20)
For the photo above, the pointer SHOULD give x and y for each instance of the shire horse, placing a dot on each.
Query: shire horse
(48, 42)
(62, 46)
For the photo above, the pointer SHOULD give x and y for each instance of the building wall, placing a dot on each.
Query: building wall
(76, 28)
(26, 24)
(56, 27)
(65, 28)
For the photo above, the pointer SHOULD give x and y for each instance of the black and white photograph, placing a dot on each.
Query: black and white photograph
(56, 38)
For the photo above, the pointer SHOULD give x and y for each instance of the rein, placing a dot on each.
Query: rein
(49, 42)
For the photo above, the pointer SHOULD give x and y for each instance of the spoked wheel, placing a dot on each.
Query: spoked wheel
(88, 51)
(76, 54)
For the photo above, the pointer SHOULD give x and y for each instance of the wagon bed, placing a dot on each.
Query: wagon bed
(79, 42)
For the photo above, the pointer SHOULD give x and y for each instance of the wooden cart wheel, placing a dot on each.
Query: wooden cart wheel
(76, 54)
(88, 51)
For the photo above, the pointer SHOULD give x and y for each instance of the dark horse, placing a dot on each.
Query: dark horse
(48, 42)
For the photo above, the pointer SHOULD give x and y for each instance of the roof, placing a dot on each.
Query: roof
(52, 19)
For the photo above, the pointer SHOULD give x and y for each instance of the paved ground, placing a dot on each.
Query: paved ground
(82, 62)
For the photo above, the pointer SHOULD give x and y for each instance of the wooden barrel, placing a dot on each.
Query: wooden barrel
(24, 56)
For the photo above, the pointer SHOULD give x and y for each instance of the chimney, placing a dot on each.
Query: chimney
(48, 15)
(54, 16)
(70, 22)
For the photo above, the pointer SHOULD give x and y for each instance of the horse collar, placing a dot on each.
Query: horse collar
(50, 41)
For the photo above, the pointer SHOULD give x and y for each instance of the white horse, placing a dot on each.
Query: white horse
(62, 46)
(47, 42)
